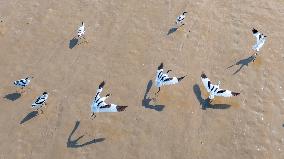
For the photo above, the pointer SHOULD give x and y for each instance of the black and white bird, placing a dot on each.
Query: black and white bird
(81, 31)
(99, 105)
(180, 18)
(260, 40)
(164, 79)
(23, 82)
(214, 90)
(40, 101)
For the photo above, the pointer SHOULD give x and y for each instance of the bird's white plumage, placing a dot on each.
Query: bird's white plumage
(99, 104)
(207, 84)
(214, 90)
(164, 79)
(81, 30)
(260, 40)
(22, 82)
(112, 108)
(180, 18)
(227, 93)
(40, 101)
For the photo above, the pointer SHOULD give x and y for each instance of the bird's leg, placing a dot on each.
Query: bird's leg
(181, 27)
(210, 101)
(108, 95)
(211, 97)
(93, 115)
(158, 91)
(22, 90)
(254, 57)
(86, 41)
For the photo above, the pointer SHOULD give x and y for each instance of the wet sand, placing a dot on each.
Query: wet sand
(127, 40)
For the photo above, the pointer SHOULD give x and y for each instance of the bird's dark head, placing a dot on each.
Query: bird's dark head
(184, 13)
(107, 95)
(203, 75)
(161, 66)
(102, 85)
(44, 93)
(254, 31)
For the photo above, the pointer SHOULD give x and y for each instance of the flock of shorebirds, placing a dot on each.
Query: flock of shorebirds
(99, 104)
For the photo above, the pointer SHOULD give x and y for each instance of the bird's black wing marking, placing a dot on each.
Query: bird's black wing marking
(209, 84)
(221, 91)
(212, 87)
(106, 106)
(167, 79)
(159, 74)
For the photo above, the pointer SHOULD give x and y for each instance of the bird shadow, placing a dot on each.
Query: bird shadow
(29, 116)
(13, 96)
(205, 103)
(74, 143)
(172, 30)
(73, 42)
(146, 100)
(243, 62)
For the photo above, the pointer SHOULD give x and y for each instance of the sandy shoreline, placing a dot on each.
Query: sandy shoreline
(127, 40)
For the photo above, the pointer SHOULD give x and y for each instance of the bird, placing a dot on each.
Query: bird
(40, 101)
(164, 79)
(180, 18)
(260, 40)
(81, 31)
(99, 105)
(23, 82)
(214, 90)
